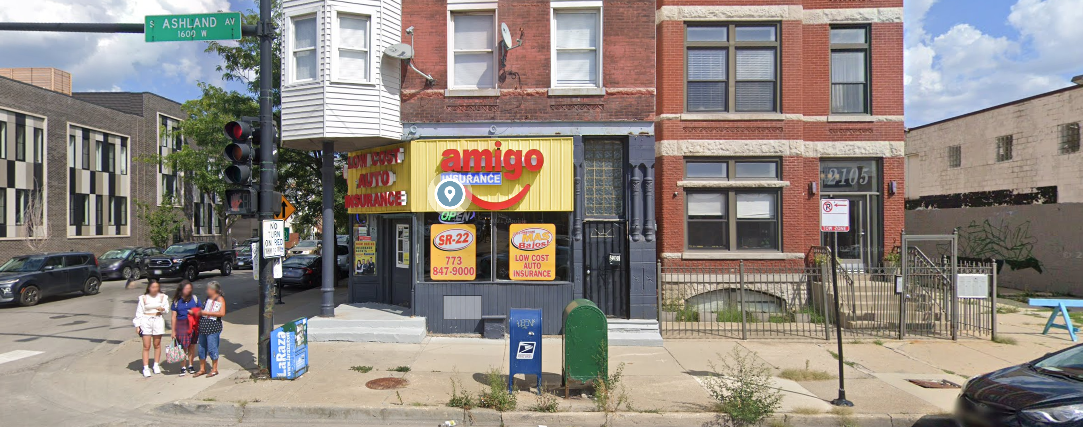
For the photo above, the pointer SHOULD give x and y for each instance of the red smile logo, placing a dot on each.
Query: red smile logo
(497, 206)
(511, 163)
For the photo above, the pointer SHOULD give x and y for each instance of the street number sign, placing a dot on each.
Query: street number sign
(274, 238)
(835, 215)
(193, 27)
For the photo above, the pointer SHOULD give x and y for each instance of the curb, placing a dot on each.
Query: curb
(254, 412)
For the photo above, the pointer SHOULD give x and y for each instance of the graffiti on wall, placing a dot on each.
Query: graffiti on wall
(1009, 243)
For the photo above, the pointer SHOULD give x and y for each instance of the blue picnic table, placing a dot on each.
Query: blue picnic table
(1060, 307)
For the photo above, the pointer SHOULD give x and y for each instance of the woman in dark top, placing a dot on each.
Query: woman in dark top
(183, 332)
(210, 329)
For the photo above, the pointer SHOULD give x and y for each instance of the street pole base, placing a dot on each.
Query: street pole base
(260, 374)
(842, 402)
(280, 302)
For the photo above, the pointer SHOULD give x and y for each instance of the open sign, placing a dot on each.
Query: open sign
(532, 239)
(455, 239)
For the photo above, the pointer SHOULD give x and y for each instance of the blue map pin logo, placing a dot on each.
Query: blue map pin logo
(450, 194)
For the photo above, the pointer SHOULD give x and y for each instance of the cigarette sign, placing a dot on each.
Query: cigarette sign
(533, 251)
(454, 256)
(835, 215)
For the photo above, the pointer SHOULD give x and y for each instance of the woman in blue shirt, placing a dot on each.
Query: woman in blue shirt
(183, 333)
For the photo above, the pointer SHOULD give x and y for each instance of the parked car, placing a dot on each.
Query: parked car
(187, 260)
(342, 239)
(306, 247)
(1045, 392)
(242, 258)
(342, 260)
(302, 270)
(26, 279)
(247, 243)
(125, 263)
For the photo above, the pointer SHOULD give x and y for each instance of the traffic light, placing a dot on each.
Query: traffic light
(242, 199)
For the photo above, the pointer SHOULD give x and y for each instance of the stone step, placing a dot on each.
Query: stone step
(634, 332)
(338, 322)
(367, 334)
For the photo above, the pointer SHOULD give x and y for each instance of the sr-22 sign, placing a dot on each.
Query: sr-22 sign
(532, 239)
(455, 239)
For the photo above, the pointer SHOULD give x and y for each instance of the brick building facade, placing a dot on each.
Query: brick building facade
(764, 109)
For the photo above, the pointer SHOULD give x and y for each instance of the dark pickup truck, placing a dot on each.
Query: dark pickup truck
(187, 260)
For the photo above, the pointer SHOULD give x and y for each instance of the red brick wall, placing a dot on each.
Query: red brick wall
(627, 68)
(805, 91)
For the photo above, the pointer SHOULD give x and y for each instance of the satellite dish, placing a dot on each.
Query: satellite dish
(506, 33)
(400, 51)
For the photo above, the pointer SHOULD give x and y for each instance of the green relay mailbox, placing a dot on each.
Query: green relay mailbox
(586, 343)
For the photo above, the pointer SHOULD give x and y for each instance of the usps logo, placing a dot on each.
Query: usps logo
(526, 350)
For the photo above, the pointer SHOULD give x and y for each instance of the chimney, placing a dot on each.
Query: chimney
(1078, 80)
(48, 78)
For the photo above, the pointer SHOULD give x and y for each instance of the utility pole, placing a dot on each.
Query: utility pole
(268, 175)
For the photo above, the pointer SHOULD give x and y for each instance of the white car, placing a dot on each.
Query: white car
(306, 247)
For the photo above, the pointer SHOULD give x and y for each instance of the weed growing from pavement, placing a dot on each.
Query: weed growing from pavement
(878, 342)
(845, 362)
(949, 372)
(745, 393)
(805, 375)
(398, 395)
(497, 397)
(778, 423)
(400, 369)
(1007, 309)
(361, 369)
(845, 416)
(609, 393)
(807, 410)
(1005, 340)
(459, 397)
(547, 402)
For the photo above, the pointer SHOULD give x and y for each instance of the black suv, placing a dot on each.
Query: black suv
(126, 263)
(187, 260)
(26, 279)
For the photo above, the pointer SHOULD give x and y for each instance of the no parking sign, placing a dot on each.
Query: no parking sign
(835, 215)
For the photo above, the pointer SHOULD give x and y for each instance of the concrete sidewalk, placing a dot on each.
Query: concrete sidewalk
(664, 384)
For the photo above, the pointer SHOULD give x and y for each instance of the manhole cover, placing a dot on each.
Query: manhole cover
(934, 383)
(386, 383)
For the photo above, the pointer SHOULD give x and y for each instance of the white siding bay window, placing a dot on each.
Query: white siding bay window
(351, 39)
(576, 48)
(472, 53)
(303, 41)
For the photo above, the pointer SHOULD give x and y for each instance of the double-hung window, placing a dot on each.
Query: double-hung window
(850, 70)
(731, 217)
(303, 49)
(473, 54)
(577, 48)
(352, 61)
(731, 68)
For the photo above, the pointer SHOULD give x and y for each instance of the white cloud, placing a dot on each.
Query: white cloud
(965, 69)
(101, 62)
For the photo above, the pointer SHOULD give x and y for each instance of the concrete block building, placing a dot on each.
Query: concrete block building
(1008, 179)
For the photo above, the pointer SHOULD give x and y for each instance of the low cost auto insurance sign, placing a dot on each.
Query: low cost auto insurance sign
(533, 251)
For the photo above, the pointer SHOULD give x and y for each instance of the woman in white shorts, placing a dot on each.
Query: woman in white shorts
(150, 324)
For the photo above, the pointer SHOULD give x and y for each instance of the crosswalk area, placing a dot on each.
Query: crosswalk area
(12, 356)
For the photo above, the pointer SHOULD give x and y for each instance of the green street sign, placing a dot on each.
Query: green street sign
(197, 27)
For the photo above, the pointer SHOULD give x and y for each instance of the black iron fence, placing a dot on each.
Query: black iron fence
(751, 301)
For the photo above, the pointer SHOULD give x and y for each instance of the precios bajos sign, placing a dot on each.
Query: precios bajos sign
(518, 175)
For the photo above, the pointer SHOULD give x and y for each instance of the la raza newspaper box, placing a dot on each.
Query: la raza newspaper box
(289, 350)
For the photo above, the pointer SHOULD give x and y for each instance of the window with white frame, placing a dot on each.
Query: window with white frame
(577, 52)
(473, 54)
(303, 52)
(352, 60)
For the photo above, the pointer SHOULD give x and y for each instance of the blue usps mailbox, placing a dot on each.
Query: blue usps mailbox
(289, 349)
(525, 328)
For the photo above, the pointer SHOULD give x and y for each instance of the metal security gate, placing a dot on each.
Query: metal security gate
(935, 302)
(605, 282)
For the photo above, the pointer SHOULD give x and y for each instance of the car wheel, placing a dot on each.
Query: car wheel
(227, 268)
(190, 273)
(92, 286)
(29, 296)
(127, 273)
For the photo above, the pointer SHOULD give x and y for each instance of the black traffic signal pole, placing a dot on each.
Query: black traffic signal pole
(266, 32)
(267, 178)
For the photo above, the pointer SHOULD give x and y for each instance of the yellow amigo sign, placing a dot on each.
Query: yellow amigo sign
(533, 251)
(453, 255)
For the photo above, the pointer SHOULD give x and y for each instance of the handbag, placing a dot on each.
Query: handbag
(174, 353)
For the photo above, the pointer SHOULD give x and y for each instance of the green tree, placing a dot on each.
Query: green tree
(299, 172)
(162, 222)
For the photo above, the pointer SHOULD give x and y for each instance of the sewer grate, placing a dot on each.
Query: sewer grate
(387, 383)
(934, 383)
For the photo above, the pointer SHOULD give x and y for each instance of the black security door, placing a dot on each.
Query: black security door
(605, 276)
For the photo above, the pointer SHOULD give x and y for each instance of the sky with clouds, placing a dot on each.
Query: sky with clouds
(961, 55)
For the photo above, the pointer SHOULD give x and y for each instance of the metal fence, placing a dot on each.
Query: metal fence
(751, 301)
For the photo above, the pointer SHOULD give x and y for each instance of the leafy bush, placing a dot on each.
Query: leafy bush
(459, 397)
(609, 393)
(745, 392)
(686, 314)
(547, 402)
(734, 315)
(497, 397)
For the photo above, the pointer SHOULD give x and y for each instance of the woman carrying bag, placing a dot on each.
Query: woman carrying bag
(185, 302)
(149, 323)
(210, 329)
